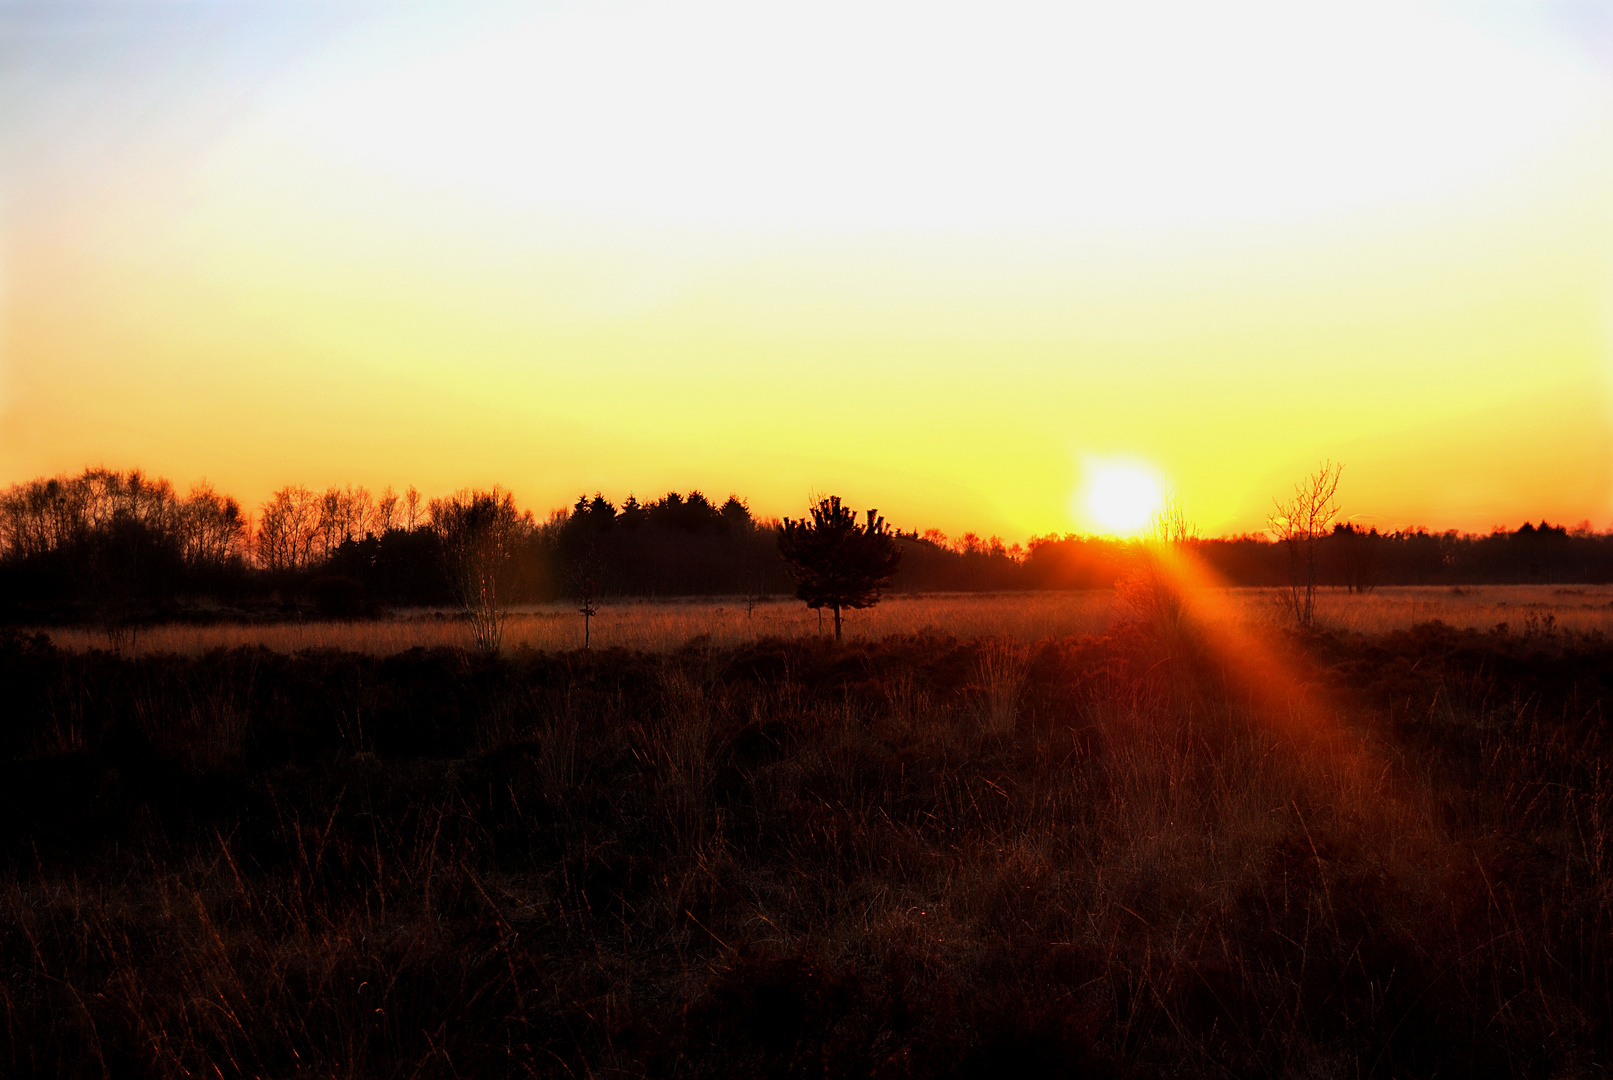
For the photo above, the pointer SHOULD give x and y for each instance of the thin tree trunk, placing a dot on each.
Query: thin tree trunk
(837, 621)
(1310, 582)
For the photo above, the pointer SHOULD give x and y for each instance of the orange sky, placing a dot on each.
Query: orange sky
(934, 260)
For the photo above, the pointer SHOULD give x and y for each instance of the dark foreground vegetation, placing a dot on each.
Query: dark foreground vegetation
(124, 549)
(1097, 857)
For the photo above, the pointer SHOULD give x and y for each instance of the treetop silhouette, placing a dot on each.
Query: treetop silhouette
(122, 548)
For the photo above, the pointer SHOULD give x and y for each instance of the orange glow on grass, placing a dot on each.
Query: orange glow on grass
(1251, 658)
(1286, 708)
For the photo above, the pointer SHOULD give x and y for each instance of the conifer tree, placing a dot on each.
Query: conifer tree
(836, 562)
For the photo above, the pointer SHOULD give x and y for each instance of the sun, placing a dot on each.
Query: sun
(1120, 497)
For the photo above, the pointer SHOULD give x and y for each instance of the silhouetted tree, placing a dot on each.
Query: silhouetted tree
(345, 514)
(386, 512)
(115, 547)
(633, 515)
(689, 513)
(735, 514)
(122, 549)
(837, 563)
(212, 529)
(289, 529)
(1299, 523)
(479, 532)
(589, 517)
(409, 511)
(1356, 556)
(587, 589)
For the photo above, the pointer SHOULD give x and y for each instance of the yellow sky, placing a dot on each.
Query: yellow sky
(929, 258)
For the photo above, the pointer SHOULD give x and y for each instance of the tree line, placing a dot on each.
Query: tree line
(108, 545)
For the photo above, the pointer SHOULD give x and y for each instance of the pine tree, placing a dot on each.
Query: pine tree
(836, 562)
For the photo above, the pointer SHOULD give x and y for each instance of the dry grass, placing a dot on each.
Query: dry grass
(654, 625)
(663, 625)
(916, 858)
(1524, 608)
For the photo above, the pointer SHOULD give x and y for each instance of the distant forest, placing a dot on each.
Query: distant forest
(109, 546)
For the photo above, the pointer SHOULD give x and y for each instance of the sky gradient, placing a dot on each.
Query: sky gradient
(944, 260)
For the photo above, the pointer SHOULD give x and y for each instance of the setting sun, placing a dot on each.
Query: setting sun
(1120, 497)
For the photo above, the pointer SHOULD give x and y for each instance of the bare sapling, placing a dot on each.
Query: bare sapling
(585, 577)
(586, 608)
(479, 532)
(1152, 586)
(1299, 524)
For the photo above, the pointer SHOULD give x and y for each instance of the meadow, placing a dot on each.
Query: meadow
(660, 625)
(1162, 849)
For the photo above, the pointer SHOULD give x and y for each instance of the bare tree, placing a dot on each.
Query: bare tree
(385, 517)
(344, 514)
(211, 528)
(127, 518)
(479, 532)
(410, 517)
(1299, 523)
(289, 529)
(331, 519)
(108, 496)
(360, 507)
(587, 594)
(45, 515)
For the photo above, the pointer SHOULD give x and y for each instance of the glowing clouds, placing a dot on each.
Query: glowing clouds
(1118, 497)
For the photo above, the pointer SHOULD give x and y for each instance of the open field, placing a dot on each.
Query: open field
(1523, 608)
(643, 624)
(1141, 854)
(1028, 617)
